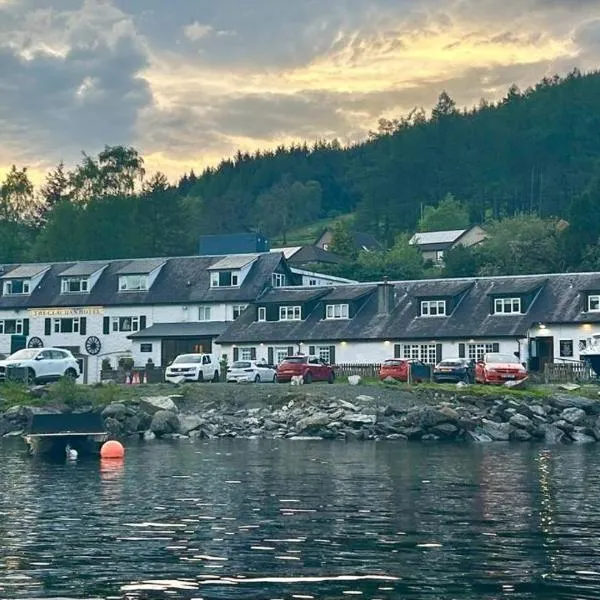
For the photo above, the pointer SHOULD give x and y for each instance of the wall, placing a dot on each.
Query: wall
(574, 333)
(474, 236)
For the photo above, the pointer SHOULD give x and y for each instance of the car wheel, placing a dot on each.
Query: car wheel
(215, 378)
(331, 377)
(31, 375)
(71, 374)
(308, 377)
(257, 379)
(200, 377)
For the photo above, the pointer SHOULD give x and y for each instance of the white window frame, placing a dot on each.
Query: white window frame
(239, 309)
(426, 353)
(290, 313)
(324, 353)
(433, 308)
(57, 324)
(595, 299)
(66, 283)
(133, 283)
(18, 326)
(262, 313)
(8, 287)
(204, 313)
(215, 279)
(337, 311)
(245, 353)
(312, 282)
(279, 280)
(476, 352)
(507, 306)
(117, 321)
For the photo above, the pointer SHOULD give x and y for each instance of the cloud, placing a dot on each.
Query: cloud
(196, 31)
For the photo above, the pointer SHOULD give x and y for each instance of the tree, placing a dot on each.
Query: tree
(461, 261)
(445, 107)
(16, 196)
(55, 190)
(342, 242)
(447, 215)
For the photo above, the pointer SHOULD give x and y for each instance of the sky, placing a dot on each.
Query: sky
(189, 82)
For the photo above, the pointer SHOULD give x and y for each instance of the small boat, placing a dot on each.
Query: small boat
(591, 353)
(65, 434)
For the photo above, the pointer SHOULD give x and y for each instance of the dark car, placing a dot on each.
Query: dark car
(455, 370)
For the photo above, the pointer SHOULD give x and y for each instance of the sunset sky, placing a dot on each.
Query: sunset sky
(188, 82)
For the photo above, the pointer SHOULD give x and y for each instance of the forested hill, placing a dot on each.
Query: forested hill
(535, 151)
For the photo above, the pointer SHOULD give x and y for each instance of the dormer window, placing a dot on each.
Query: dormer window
(224, 279)
(16, 287)
(433, 308)
(337, 311)
(507, 306)
(262, 313)
(594, 303)
(279, 280)
(290, 313)
(133, 283)
(74, 285)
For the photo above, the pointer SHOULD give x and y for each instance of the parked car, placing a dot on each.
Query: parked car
(454, 370)
(310, 368)
(397, 368)
(499, 368)
(42, 364)
(193, 367)
(250, 370)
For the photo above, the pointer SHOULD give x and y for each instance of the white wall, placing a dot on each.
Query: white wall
(574, 333)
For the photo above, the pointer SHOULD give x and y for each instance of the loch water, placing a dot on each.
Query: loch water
(258, 519)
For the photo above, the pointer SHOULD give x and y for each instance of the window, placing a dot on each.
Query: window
(312, 282)
(74, 285)
(126, 324)
(262, 313)
(238, 309)
(204, 313)
(133, 283)
(337, 311)
(247, 353)
(426, 353)
(594, 303)
(11, 326)
(280, 355)
(323, 353)
(206, 359)
(279, 280)
(66, 325)
(439, 257)
(507, 306)
(224, 278)
(566, 348)
(14, 287)
(290, 313)
(433, 308)
(478, 351)
(145, 347)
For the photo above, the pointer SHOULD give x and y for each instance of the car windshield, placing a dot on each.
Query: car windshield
(24, 355)
(392, 363)
(452, 363)
(295, 360)
(240, 364)
(501, 358)
(188, 358)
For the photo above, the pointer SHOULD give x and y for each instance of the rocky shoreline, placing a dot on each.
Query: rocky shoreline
(338, 413)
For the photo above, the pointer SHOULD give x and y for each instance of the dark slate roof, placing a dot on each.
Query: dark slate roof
(141, 266)
(83, 269)
(365, 240)
(559, 301)
(237, 261)
(517, 286)
(184, 280)
(349, 292)
(313, 254)
(180, 330)
(24, 271)
(287, 295)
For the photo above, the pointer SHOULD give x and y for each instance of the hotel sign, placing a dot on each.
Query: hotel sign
(67, 311)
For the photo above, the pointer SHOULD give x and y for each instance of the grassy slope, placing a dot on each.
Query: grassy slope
(308, 234)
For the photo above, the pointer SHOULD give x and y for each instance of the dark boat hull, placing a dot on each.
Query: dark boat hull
(55, 446)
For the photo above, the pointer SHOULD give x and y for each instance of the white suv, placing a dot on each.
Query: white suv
(193, 367)
(42, 364)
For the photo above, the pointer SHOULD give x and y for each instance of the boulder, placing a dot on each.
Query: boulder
(348, 405)
(590, 405)
(521, 422)
(188, 423)
(152, 404)
(564, 425)
(499, 432)
(519, 435)
(364, 398)
(449, 413)
(580, 435)
(479, 436)
(356, 418)
(149, 436)
(573, 415)
(390, 381)
(395, 436)
(113, 426)
(315, 421)
(445, 430)
(552, 434)
(354, 379)
(116, 410)
(538, 410)
(164, 421)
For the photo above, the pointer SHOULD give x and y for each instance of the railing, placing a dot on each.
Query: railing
(362, 369)
(573, 372)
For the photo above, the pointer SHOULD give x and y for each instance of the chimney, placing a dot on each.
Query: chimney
(385, 297)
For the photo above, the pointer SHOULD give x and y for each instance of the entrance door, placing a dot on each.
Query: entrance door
(541, 352)
(173, 348)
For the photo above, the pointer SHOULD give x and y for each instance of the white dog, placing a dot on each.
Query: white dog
(297, 380)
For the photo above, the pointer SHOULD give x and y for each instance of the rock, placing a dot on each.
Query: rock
(461, 384)
(364, 398)
(521, 421)
(113, 426)
(305, 438)
(38, 391)
(478, 436)
(16, 433)
(314, 421)
(569, 387)
(164, 421)
(564, 425)
(516, 383)
(590, 405)
(149, 436)
(395, 436)
(538, 410)
(133, 424)
(188, 423)
(354, 379)
(116, 410)
(445, 430)
(449, 413)
(390, 381)
(348, 405)
(499, 432)
(581, 436)
(153, 404)
(175, 436)
(523, 409)
(430, 437)
(519, 435)
(553, 434)
(573, 415)
(359, 418)
(412, 433)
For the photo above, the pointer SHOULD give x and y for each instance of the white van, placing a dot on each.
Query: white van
(194, 367)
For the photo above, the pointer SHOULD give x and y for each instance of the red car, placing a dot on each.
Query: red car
(310, 368)
(397, 368)
(499, 368)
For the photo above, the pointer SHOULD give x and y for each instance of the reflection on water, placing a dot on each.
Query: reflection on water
(283, 519)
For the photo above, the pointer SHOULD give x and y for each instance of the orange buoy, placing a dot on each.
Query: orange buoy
(112, 449)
